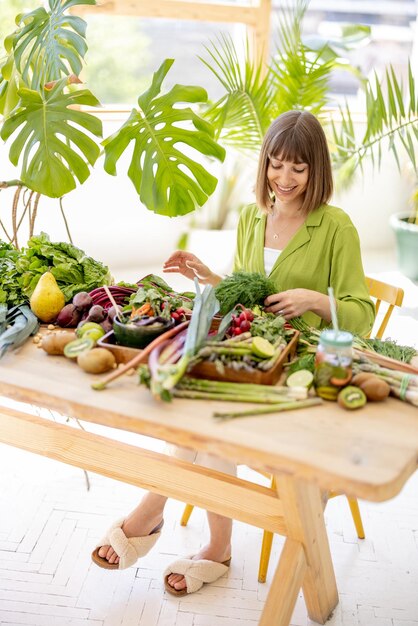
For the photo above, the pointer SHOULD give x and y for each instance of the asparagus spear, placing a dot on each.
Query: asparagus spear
(288, 406)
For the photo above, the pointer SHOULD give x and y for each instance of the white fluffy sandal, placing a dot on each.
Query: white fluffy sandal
(129, 550)
(196, 573)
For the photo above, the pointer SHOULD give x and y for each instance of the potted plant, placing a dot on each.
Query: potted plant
(56, 143)
(392, 125)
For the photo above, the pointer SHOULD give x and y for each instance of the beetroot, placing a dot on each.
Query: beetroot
(111, 313)
(96, 314)
(82, 301)
(68, 317)
(106, 325)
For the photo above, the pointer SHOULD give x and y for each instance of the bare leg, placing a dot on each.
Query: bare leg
(140, 522)
(218, 549)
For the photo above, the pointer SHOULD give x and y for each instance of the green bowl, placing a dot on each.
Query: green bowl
(135, 336)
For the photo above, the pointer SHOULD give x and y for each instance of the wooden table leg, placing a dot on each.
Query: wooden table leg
(305, 560)
(285, 587)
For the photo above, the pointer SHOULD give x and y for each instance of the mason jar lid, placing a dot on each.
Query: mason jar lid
(341, 339)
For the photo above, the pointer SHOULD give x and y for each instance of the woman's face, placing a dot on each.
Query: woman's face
(287, 180)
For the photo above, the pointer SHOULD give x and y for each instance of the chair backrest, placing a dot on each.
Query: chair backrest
(383, 292)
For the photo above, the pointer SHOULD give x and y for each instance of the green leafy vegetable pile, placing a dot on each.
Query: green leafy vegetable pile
(248, 289)
(73, 270)
(160, 295)
(10, 289)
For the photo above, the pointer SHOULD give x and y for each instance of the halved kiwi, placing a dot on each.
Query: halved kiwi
(352, 398)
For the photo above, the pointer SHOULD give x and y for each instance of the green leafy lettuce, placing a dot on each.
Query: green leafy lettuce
(73, 270)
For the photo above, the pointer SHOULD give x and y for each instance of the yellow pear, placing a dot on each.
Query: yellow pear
(47, 300)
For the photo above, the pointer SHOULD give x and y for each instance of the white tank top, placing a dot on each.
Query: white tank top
(270, 257)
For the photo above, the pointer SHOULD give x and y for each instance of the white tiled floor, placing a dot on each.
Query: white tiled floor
(49, 523)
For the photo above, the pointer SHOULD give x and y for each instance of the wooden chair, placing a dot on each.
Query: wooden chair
(379, 292)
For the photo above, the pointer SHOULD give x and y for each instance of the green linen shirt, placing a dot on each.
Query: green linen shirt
(324, 252)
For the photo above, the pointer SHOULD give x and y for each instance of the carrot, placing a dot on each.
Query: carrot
(139, 358)
(145, 309)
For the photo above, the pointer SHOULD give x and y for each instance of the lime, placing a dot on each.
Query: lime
(301, 378)
(262, 347)
(94, 333)
(89, 326)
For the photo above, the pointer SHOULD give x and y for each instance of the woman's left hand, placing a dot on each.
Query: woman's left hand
(291, 303)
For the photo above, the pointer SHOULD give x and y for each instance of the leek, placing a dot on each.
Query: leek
(21, 323)
(165, 376)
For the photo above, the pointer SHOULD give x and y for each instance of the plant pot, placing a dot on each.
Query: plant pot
(407, 244)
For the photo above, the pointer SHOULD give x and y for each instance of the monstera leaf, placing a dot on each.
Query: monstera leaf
(50, 44)
(52, 144)
(166, 177)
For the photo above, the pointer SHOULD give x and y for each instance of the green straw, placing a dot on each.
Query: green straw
(333, 310)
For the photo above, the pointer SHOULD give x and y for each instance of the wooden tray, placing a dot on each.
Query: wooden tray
(122, 354)
(207, 369)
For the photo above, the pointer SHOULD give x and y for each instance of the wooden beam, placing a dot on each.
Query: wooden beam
(200, 486)
(179, 10)
(255, 16)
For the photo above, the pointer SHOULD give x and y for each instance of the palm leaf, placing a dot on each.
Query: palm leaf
(242, 115)
(167, 179)
(301, 74)
(50, 130)
(392, 121)
(50, 44)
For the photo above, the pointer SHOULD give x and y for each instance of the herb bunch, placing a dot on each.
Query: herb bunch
(246, 288)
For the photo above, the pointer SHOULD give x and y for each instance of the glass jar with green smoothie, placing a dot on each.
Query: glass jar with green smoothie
(333, 363)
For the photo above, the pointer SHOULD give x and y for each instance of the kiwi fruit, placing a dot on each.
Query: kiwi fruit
(375, 388)
(361, 377)
(352, 398)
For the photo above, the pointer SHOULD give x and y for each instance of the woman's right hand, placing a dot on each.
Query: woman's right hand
(189, 265)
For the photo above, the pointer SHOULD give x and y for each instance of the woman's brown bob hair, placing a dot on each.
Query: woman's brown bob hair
(296, 136)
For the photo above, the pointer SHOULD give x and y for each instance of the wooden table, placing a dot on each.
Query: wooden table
(368, 454)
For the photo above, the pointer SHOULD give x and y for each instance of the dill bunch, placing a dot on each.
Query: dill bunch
(389, 347)
(246, 288)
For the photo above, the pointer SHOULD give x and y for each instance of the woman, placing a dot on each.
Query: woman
(305, 246)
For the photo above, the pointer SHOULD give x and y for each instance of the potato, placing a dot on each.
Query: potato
(96, 361)
(55, 343)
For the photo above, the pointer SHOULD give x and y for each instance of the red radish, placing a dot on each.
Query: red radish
(245, 326)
